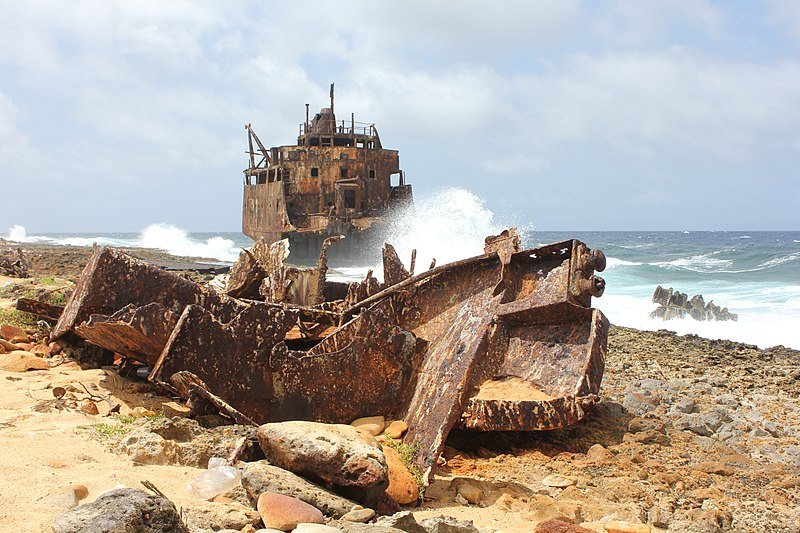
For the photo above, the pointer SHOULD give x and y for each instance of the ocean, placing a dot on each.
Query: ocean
(754, 274)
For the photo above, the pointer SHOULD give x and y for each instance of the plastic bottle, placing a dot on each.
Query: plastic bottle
(217, 479)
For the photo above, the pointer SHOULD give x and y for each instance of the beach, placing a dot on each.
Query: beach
(690, 434)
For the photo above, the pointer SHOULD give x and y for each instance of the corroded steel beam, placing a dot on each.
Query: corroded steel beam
(112, 280)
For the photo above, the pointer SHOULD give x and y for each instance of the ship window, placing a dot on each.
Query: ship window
(359, 144)
(372, 173)
(343, 173)
(271, 177)
(349, 199)
(314, 172)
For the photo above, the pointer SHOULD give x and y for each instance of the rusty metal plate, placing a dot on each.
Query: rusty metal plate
(112, 279)
(231, 358)
(136, 332)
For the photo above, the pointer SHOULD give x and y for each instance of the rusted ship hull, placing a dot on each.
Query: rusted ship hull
(501, 341)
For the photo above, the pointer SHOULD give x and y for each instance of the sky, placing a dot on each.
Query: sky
(558, 114)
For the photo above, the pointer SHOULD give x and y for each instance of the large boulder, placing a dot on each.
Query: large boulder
(336, 454)
(123, 510)
(259, 477)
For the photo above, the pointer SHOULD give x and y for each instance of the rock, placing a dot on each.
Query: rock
(716, 417)
(216, 516)
(714, 467)
(447, 524)
(359, 515)
(684, 405)
(19, 361)
(371, 424)
(728, 400)
(140, 411)
(315, 528)
(40, 350)
(259, 477)
(617, 526)
(88, 406)
(694, 423)
(334, 453)
(558, 481)
(284, 512)
(13, 334)
(651, 436)
(772, 428)
(402, 487)
(65, 497)
(598, 453)
(559, 526)
(471, 493)
(7, 346)
(122, 510)
(396, 429)
(181, 441)
(403, 521)
(638, 425)
(660, 514)
(640, 402)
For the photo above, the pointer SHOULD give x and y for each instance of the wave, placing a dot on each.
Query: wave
(614, 262)
(164, 237)
(177, 242)
(447, 225)
(697, 263)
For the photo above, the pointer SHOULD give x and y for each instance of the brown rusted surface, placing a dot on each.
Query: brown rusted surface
(556, 369)
(504, 245)
(136, 332)
(246, 274)
(192, 387)
(111, 280)
(14, 264)
(44, 310)
(393, 269)
(474, 315)
(230, 357)
(364, 368)
(336, 179)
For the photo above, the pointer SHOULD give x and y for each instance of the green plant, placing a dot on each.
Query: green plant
(48, 280)
(57, 298)
(17, 318)
(107, 430)
(407, 454)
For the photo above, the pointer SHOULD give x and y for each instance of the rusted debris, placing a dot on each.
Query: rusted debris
(501, 341)
(14, 264)
(46, 311)
(137, 332)
(112, 280)
(261, 273)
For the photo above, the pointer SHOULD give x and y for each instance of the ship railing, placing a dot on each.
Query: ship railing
(342, 128)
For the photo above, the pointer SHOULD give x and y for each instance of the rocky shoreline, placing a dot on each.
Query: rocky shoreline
(691, 435)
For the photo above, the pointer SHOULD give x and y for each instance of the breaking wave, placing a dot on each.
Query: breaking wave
(165, 237)
(176, 241)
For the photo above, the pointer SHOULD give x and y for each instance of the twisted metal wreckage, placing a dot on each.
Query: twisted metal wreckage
(503, 341)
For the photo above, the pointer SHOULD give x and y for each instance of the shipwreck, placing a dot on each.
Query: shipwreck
(337, 179)
(506, 340)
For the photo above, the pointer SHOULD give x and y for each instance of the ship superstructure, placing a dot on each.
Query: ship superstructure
(337, 180)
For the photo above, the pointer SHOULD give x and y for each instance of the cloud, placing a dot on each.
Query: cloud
(130, 98)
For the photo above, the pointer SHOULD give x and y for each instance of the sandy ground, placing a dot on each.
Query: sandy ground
(46, 449)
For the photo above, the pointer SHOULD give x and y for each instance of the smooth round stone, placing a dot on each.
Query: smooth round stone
(371, 424)
(471, 493)
(396, 429)
(402, 486)
(285, 513)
